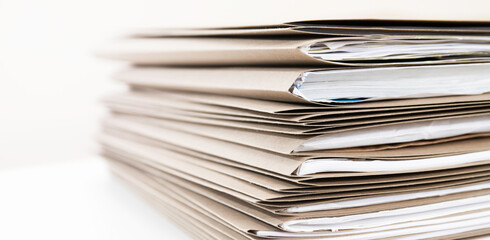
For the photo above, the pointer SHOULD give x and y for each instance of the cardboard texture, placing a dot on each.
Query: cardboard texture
(269, 83)
(259, 52)
(327, 118)
(340, 129)
(229, 213)
(277, 182)
(257, 190)
(330, 27)
(280, 143)
(171, 135)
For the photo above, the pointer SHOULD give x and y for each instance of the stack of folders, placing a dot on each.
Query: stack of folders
(345, 130)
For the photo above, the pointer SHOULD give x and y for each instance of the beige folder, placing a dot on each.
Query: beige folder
(233, 214)
(296, 124)
(290, 128)
(283, 146)
(331, 27)
(277, 208)
(217, 147)
(287, 44)
(279, 83)
(293, 183)
(279, 142)
(268, 189)
(279, 202)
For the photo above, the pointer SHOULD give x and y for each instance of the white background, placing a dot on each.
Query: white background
(51, 185)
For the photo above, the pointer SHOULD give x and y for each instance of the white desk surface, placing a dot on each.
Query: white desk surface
(76, 200)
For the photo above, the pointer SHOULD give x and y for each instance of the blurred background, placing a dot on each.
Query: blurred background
(51, 82)
(51, 184)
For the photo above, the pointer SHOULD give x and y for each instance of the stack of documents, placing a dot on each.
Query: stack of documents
(345, 129)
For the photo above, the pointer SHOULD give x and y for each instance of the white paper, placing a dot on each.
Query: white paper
(388, 217)
(356, 85)
(398, 133)
(433, 224)
(393, 49)
(321, 165)
(387, 199)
